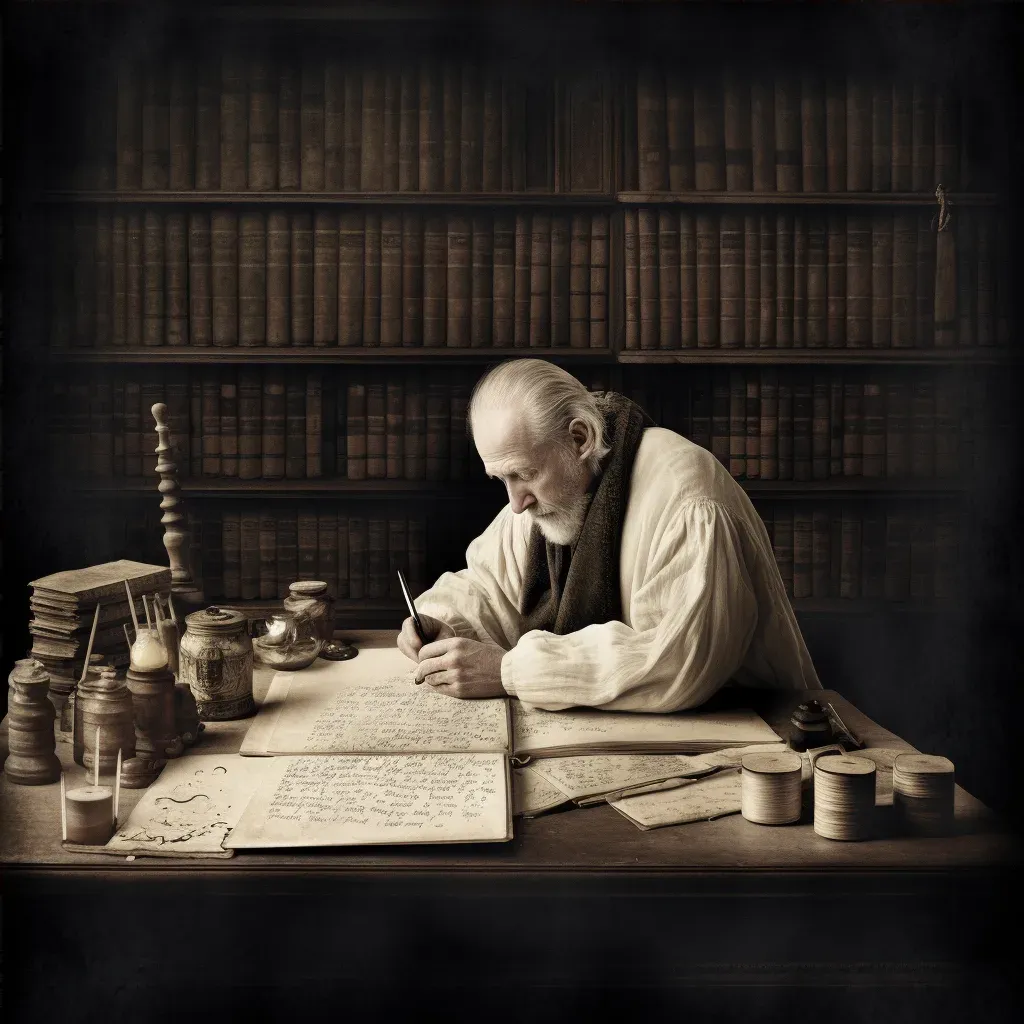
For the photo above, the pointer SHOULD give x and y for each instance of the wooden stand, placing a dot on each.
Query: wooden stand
(32, 760)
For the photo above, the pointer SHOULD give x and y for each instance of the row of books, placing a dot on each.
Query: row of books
(268, 423)
(359, 278)
(849, 551)
(240, 122)
(819, 280)
(796, 132)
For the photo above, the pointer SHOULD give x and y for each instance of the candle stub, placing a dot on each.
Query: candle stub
(90, 815)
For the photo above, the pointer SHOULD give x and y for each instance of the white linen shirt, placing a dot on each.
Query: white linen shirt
(702, 599)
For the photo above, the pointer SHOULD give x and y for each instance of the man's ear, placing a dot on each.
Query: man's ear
(582, 438)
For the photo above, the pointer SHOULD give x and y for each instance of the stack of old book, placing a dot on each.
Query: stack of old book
(63, 606)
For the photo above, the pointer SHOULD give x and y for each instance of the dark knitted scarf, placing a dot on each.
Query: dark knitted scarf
(565, 589)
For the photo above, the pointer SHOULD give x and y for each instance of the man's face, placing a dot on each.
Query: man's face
(544, 480)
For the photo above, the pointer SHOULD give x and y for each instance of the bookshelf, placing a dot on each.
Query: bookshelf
(643, 225)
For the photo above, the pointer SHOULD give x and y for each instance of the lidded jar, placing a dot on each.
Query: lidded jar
(216, 663)
(312, 608)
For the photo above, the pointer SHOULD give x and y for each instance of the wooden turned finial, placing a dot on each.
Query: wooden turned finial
(174, 518)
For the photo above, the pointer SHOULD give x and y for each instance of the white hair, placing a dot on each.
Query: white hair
(549, 397)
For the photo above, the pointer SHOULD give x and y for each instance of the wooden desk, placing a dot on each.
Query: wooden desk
(707, 915)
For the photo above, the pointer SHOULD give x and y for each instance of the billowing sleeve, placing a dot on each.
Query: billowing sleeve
(481, 601)
(693, 613)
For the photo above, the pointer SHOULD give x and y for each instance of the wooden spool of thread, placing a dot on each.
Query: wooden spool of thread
(90, 815)
(107, 711)
(32, 758)
(922, 793)
(844, 797)
(770, 788)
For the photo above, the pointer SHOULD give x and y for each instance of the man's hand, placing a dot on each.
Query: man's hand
(409, 643)
(462, 668)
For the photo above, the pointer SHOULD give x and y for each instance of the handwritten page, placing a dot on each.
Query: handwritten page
(356, 800)
(699, 800)
(330, 708)
(588, 731)
(593, 774)
(191, 807)
(532, 794)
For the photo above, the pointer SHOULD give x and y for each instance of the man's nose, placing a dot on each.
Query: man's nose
(520, 498)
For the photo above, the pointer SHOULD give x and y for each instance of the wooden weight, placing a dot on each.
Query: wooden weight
(32, 760)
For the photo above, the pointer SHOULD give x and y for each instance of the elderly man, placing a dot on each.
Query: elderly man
(628, 571)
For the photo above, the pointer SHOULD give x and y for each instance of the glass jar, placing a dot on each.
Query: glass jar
(216, 663)
(312, 608)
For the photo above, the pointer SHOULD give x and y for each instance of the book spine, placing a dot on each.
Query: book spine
(327, 550)
(540, 280)
(835, 419)
(523, 278)
(412, 279)
(325, 278)
(392, 115)
(200, 287)
(881, 280)
(415, 440)
(853, 396)
(262, 125)
(211, 422)
(376, 434)
(391, 279)
(922, 154)
(289, 150)
(762, 134)
(341, 544)
(835, 325)
(732, 274)
(803, 427)
(314, 424)
(250, 556)
(947, 139)
(431, 129)
(129, 127)
(922, 435)
(350, 279)
(803, 548)
(819, 553)
(737, 424)
(753, 424)
(707, 281)
(355, 430)
(275, 282)
(307, 536)
(352, 144)
(768, 282)
(311, 126)
(785, 445)
(175, 282)
(817, 282)
(651, 127)
(377, 559)
(769, 425)
(849, 580)
(701, 410)
(904, 279)
(503, 285)
(966, 280)
(274, 419)
(118, 282)
(408, 130)
(231, 541)
(458, 284)
(821, 436)
(156, 143)
(357, 545)
(897, 429)
(104, 273)
(631, 243)
(301, 278)
(784, 280)
(394, 429)
(881, 136)
(471, 131)
(812, 134)
(708, 134)
(398, 556)
(252, 279)
(133, 285)
(435, 276)
(669, 312)
(451, 95)
(835, 134)
(751, 281)
(287, 551)
(902, 137)
(924, 319)
(720, 412)
(132, 423)
(267, 540)
(152, 278)
(858, 281)
(459, 438)
(858, 135)
(371, 279)
(224, 277)
(782, 540)
(481, 280)
(788, 155)
(234, 142)
(228, 424)
(438, 419)
(873, 453)
(295, 428)
(872, 565)
(250, 454)
(738, 157)
(679, 131)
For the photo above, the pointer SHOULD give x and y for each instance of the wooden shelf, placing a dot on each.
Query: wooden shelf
(819, 356)
(347, 612)
(867, 606)
(194, 197)
(801, 199)
(328, 487)
(333, 355)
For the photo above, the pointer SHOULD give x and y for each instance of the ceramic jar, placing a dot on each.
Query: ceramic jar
(312, 607)
(216, 663)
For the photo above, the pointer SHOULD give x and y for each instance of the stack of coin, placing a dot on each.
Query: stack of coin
(922, 793)
(844, 797)
(770, 792)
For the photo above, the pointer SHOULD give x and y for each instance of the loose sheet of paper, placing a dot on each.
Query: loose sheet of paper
(191, 807)
(538, 733)
(592, 774)
(699, 800)
(533, 794)
(370, 705)
(355, 800)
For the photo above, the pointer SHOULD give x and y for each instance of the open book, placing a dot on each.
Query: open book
(371, 706)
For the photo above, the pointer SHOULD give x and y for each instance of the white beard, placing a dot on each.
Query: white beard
(562, 526)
